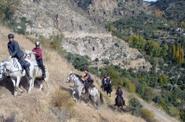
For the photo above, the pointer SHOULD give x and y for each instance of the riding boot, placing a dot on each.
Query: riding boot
(28, 73)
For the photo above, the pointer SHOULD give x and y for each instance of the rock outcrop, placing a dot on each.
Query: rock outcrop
(81, 35)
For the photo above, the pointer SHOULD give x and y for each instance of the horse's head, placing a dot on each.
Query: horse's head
(29, 55)
(70, 77)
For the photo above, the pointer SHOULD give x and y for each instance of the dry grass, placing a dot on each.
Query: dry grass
(62, 99)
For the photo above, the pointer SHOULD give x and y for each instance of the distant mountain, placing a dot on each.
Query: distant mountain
(173, 9)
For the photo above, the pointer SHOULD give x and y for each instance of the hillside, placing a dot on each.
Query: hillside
(51, 18)
(173, 9)
(141, 49)
(38, 106)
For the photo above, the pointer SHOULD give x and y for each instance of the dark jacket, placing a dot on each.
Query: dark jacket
(15, 50)
(119, 92)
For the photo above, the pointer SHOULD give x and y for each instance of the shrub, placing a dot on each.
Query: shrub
(7, 10)
(62, 99)
(20, 27)
(148, 94)
(173, 111)
(78, 61)
(163, 79)
(182, 115)
(129, 85)
(137, 41)
(135, 106)
(147, 115)
(56, 42)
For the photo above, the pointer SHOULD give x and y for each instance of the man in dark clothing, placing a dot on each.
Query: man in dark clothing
(88, 81)
(119, 101)
(16, 52)
(103, 83)
(39, 58)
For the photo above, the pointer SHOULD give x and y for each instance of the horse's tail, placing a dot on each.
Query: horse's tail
(101, 98)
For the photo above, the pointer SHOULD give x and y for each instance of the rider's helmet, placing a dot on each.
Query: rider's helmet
(10, 36)
(37, 44)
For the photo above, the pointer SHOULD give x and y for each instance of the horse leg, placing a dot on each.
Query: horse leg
(14, 87)
(31, 84)
(17, 84)
(73, 95)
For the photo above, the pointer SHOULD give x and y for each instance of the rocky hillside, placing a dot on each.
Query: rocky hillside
(102, 11)
(173, 9)
(54, 103)
(81, 34)
(103, 47)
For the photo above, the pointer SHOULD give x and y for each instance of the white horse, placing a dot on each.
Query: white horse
(79, 87)
(12, 68)
(38, 72)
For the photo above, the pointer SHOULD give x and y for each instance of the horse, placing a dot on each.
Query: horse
(119, 102)
(108, 88)
(38, 72)
(12, 68)
(79, 89)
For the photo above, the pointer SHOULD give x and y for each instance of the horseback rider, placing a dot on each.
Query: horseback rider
(88, 81)
(119, 93)
(39, 58)
(16, 52)
(104, 82)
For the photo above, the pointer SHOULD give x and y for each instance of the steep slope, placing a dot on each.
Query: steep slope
(38, 106)
(173, 9)
(102, 11)
(56, 17)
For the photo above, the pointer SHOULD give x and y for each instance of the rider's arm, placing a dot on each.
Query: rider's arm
(15, 46)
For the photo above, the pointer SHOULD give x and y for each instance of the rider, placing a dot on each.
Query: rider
(88, 81)
(104, 82)
(119, 93)
(16, 52)
(108, 83)
(39, 58)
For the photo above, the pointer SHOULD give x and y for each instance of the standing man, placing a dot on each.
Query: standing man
(39, 58)
(16, 52)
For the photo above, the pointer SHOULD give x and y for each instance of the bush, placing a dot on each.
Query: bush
(173, 111)
(148, 94)
(135, 106)
(78, 61)
(182, 115)
(7, 10)
(20, 27)
(62, 99)
(56, 42)
(147, 115)
(129, 85)
(163, 80)
(137, 42)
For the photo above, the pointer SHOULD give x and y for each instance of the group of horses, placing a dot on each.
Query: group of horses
(11, 68)
(78, 92)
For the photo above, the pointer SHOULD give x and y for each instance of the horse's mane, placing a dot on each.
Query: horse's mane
(79, 77)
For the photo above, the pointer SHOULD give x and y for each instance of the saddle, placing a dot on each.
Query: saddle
(16, 64)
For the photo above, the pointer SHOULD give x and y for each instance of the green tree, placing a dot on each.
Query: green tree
(137, 41)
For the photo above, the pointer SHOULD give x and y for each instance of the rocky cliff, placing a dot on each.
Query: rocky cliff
(81, 35)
